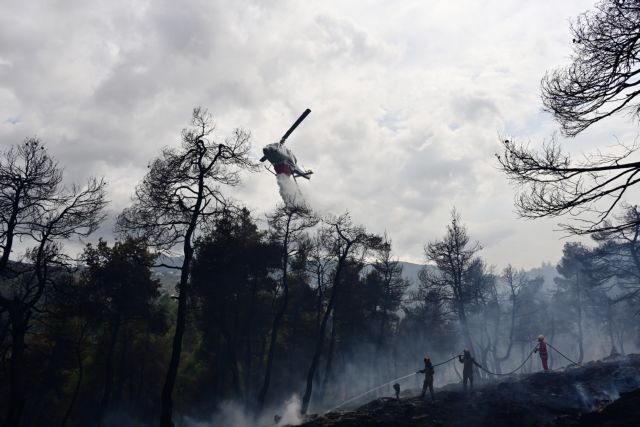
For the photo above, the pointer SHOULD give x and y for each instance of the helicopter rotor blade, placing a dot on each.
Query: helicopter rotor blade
(295, 125)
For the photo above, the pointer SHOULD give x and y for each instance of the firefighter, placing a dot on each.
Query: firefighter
(428, 372)
(467, 370)
(544, 355)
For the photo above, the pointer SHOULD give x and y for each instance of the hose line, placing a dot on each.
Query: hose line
(512, 372)
(560, 353)
(383, 385)
(445, 362)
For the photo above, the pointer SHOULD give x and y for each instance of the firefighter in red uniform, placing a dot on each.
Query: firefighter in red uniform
(544, 355)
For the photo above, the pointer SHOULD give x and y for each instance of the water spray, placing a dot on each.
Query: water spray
(384, 385)
(369, 391)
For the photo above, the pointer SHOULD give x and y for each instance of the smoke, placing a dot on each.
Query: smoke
(291, 412)
(369, 375)
(231, 413)
(289, 190)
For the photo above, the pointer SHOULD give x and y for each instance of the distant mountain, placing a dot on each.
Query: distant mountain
(169, 276)
(410, 271)
(546, 270)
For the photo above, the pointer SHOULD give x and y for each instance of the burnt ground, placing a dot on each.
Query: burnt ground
(600, 393)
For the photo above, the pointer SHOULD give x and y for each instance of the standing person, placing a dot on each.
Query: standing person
(428, 372)
(544, 354)
(467, 370)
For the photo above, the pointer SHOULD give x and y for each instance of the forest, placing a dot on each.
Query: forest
(310, 306)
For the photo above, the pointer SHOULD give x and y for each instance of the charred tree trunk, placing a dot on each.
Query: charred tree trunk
(319, 303)
(76, 390)
(621, 338)
(580, 332)
(279, 316)
(233, 362)
(141, 382)
(462, 315)
(123, 369)
(320, 338)
(108, 373)
(494, 344)
(181, 317)
(248, 354)
(272, 347)
(553, 332)
(176, 349)
(17, 397)
(610, 328)
(330, 351)
(511, 332)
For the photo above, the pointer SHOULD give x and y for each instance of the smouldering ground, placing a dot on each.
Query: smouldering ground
(553, 399)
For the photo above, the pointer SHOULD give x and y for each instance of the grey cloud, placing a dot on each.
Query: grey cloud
(406, 108)
(474, 108)
(340, 38)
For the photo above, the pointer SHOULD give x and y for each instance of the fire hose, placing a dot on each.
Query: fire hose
(512, 372)
(383, 385)
(447, 361)
(560, 353)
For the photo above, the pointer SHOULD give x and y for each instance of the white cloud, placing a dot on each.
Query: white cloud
(408, 99)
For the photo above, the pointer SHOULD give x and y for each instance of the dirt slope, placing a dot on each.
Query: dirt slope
(585, 395)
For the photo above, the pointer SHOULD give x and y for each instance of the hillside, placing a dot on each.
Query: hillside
(603, 392)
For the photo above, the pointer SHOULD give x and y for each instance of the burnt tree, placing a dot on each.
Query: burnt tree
(453, 256)
(36, 207)
(346, 240)
(601, 80)
(180, 196)
(287, 224)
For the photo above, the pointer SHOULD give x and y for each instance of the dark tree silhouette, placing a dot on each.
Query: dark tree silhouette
(453, 256)
(118, 287)
(36, 207)
(288, 223)
(618, 253)
(552, 185)
(179, 197)
(515, 281)
(390, 287)
(319, 266)
(573, 283)
(347, 240)
(601, 80)
(233, 278)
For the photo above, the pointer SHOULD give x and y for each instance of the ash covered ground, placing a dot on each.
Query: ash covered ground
(599, 393)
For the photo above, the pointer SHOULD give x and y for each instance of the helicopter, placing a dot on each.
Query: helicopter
(282, 159)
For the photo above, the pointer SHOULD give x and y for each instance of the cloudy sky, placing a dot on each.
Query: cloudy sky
(408, 100)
